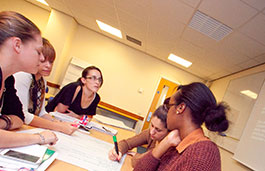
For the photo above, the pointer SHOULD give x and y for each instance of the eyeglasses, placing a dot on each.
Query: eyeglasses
(94, 78)
(168, 106)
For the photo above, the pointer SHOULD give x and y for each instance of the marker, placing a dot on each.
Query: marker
(116, 144)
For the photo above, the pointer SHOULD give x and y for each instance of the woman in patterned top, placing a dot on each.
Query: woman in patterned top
(31, 91)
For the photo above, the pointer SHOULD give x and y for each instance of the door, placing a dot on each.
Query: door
(165, 89)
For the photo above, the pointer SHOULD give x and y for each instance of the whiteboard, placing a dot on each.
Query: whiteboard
(241, 107)
(250, 150)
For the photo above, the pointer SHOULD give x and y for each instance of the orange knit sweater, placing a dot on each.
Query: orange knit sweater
(203, 155)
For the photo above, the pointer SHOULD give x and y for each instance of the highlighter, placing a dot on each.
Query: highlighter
(116, 144)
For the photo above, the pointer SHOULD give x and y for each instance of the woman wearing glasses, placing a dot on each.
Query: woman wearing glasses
(186, 147)
(150, 137)
(81, 97)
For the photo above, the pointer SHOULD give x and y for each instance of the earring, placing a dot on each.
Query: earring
(177, 112)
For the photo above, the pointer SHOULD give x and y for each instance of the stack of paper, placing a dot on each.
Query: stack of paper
(20, 157)
(90, 125)
(101, 128)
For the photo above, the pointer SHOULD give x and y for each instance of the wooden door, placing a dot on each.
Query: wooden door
(165, 89)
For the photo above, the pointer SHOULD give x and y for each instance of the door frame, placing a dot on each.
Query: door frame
(161, 82)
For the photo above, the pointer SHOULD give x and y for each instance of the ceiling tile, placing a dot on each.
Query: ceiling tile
(256, 28)
(170, 11)
(258, 4)
(132, 24)
(248, 64)
(260, 58)
(59, 5)
(219, 74)
(244, 45)
(192, 3)
(89, 23)
(198, 38)
(140, 10)
(233, 13)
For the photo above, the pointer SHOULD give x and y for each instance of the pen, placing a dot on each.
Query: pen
(116, 144)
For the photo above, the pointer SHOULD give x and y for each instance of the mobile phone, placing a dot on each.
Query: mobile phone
(22, 157)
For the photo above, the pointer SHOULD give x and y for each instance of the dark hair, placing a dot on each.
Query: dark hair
(13, 24)
(161, 113)
(166, 101)
(48, 50)
(86, 71)
(199, 98)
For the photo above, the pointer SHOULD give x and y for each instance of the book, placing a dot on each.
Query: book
(32, 157)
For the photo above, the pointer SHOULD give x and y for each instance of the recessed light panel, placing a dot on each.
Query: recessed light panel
(249, 93)
(179, 60)
(43, 2)
(109, 29)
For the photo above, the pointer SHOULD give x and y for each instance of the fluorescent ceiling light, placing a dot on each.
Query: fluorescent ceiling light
(249, 93)
(43, 2)
(179, 60)
(109, 29)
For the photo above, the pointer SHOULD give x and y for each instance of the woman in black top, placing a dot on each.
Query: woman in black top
(20, 50)
(79, 98)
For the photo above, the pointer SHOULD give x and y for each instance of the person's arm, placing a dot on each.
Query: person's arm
(14, 122)
(12, 139)
(63, 127)
(22, 85)
(129, 144)
(150, 161)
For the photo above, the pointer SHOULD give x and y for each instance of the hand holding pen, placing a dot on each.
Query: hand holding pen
(114, 154)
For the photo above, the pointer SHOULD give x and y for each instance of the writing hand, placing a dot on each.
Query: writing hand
(114, 156)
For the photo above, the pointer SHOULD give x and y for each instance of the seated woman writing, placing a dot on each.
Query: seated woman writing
(151, 137)
(31, 92)
(81, 97)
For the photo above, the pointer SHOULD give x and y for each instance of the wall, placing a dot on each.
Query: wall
(125, 70)
(36, 14)
(219, 87)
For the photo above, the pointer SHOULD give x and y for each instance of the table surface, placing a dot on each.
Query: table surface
(59, 165)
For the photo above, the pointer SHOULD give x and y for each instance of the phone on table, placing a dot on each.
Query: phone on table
(22, 157)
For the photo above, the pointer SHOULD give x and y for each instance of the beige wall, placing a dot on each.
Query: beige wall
(125, 70)
(38, 15)
(219, 87)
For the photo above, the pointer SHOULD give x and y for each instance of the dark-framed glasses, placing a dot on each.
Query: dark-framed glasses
(94, 78)
(168, 105)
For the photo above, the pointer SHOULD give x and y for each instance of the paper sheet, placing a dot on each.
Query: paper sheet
(84, 151)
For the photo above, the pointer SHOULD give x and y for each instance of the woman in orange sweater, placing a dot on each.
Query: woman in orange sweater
(186, 147)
